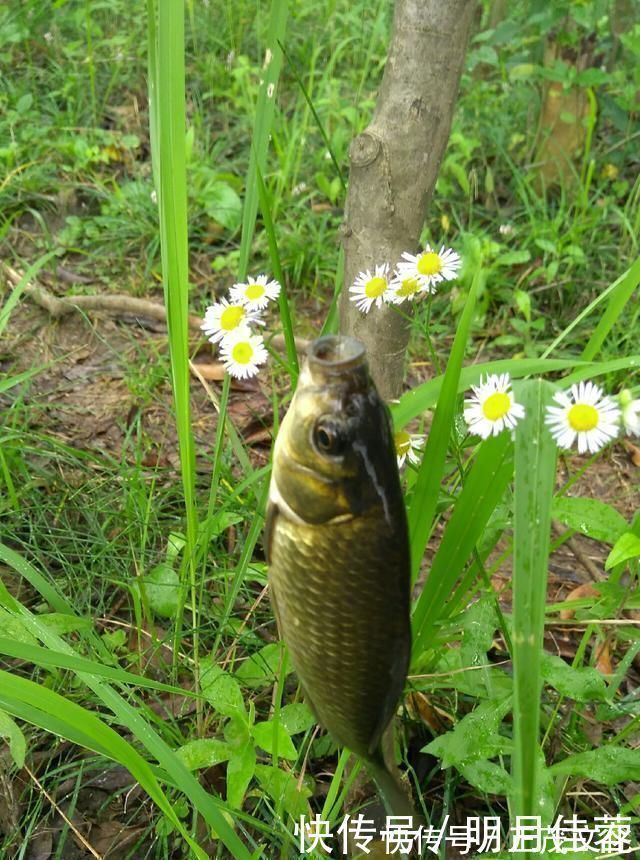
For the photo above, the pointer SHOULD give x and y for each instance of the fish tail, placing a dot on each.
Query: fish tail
(394, 793)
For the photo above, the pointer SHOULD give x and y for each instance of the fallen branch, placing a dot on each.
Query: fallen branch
(115, 305)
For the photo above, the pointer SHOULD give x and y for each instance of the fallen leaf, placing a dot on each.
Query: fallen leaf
(41, 845)
(420, 708)
(587, 589)
(603, 659)
(112, 839)
(633, 451)
(211, 372)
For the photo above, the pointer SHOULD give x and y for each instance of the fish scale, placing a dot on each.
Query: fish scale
(346, 633)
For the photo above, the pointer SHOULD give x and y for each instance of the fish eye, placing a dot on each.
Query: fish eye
(329, 437)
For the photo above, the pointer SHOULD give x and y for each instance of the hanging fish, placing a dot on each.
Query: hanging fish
(338, 552)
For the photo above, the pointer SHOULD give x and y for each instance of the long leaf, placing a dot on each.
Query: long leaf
(424, 396)
(619, 294)
(168, 130)
(207, 805)
(265, 109)
(59, 715)
(484, 487)
(535, 471)
(427, 487)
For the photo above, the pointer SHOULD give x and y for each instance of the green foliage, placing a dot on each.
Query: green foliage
(254, 162)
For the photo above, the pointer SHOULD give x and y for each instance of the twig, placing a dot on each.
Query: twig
(114, 304)
(584, 560)
(67, 820)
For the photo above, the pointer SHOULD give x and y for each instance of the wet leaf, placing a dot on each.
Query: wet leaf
(240, 771)
(204, 752)
(296, 718)
(222, 691)
(282, 787)
(162, 587)
(267, 733)
(584, 684)
(608, 765)
(262, 667)
(590, 517)
(475, 737)
(487, 776)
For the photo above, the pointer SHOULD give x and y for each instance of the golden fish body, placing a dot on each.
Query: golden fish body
(338, 548)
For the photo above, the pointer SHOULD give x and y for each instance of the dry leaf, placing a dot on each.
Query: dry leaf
(585, 590)
(211, 372)
(420, 708)
(603, 659)
(633, 451)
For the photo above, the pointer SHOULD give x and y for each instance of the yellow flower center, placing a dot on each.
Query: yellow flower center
(230, 317)
(254, 291)
(583, 417)
(429, 263)
(408, 287)
(242, 352)
(375, 287)
(496, 406)
(402, 442)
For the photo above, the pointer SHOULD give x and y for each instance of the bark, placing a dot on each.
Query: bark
(394, 166)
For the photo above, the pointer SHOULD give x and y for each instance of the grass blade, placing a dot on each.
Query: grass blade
(484, 487)
(619, 294)
(424, 396)
(535, 471)
(56, 714)
(207, 805)
(427, 487)
(265, 109)
(14, 296)
(168, 130)
(283, 301)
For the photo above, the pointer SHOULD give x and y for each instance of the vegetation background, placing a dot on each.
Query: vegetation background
(147, 708)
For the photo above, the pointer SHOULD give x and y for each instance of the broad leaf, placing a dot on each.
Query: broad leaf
(590, 517)
(204, 752)
(584, 684)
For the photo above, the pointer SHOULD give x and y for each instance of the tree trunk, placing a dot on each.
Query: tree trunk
(394, 166)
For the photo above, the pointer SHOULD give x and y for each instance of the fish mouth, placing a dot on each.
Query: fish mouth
(334, 355)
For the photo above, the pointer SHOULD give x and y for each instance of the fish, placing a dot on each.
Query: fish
(337, 548)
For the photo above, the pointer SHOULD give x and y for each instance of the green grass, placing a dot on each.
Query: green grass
(133, 577)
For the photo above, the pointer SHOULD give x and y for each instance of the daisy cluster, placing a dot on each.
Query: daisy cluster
(583, 414)
(230, 322)
(414, 275)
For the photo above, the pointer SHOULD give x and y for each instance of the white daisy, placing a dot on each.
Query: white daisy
(243, 353)
(223, 318)
(430, 267)
(630, 412)
(492, 407)
(584, 412)
(404, 288)
(407, 447)
(369, 289)
(256, 293)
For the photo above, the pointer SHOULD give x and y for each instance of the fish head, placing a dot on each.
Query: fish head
(334, 456)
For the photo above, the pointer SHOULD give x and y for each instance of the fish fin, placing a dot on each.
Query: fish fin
(269, 526)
